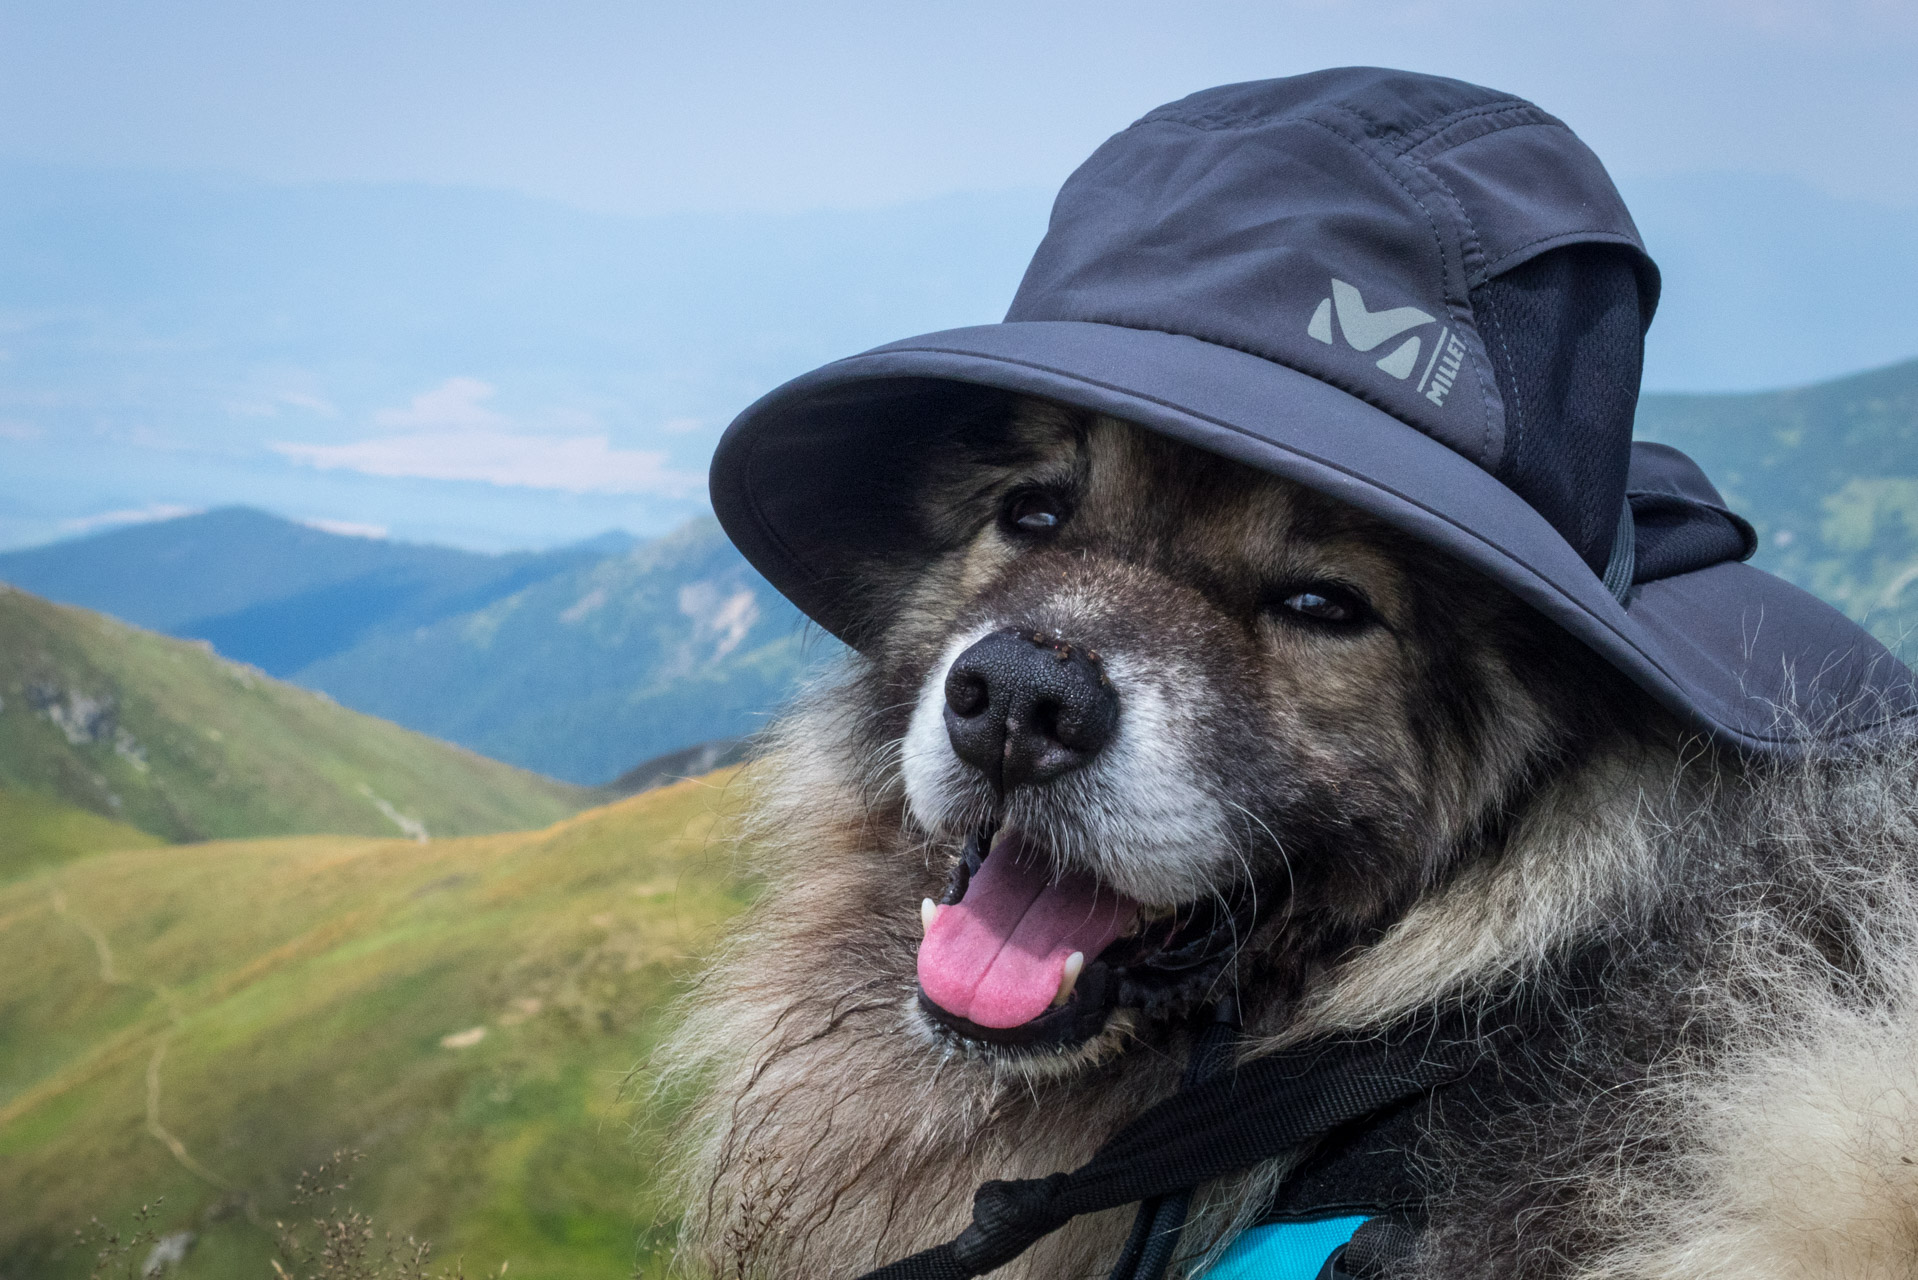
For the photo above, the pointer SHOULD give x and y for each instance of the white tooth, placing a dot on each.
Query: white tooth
(1075, 965)
(928, 912)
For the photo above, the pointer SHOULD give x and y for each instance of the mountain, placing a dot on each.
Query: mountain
(188, 341)
(195, 1026)
(673, 766)
(579, 662)
(39, 831)
(1828, 475)
(166, 736)
(175, 341)
(677, 642)
(574, 663)
(271, 592)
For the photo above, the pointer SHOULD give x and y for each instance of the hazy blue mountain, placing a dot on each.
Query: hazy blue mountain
(161, 334)
(580, 675)
(581, 662)
(1828, 474)
(574, 663)
(270, 592)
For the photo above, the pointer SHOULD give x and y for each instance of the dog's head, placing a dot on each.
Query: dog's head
(1178, 728)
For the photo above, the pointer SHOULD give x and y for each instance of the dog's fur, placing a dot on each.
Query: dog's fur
(1448, 805)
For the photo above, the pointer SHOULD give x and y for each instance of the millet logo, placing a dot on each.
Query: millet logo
(1365, 330)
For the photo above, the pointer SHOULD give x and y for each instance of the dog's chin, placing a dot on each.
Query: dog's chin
(1164, 965)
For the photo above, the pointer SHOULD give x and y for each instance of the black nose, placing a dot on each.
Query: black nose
(1022, 707)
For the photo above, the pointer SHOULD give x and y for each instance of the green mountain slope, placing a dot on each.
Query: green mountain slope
(583, 674)
(1828, 475)
(165, 736)
(575, 663)
(203, 1022)
(38, 831)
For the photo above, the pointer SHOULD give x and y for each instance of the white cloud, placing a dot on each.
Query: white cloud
(131, 515)
(268, 406)
(454, 404)
(450, 434)
(347, 528)
(571, 464)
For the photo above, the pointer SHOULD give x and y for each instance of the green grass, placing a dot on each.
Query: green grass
(262, 1003)
(163, 735)
(37, 831)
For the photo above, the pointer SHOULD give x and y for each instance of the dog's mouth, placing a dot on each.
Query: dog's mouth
(1018, 954)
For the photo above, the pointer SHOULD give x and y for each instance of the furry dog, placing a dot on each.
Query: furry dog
(1267, 746)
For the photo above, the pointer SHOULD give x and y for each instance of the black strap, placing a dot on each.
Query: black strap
(1377, 1251)
(1265, 1108)
(1156, 1229)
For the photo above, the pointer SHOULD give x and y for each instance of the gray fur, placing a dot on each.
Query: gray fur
(1717, 963)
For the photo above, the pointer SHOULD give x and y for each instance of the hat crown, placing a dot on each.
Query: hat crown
(1346, 224)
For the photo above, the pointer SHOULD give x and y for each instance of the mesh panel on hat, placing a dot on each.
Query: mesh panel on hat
(1677, 535)
(1565, 334)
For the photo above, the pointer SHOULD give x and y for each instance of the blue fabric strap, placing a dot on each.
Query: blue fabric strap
(1284, 1250)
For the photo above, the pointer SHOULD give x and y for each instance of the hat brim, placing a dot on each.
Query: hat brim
(1732, 650)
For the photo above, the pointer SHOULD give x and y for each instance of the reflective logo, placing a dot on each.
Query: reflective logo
(1365, 330)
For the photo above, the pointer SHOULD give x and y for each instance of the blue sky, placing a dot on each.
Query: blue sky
(650, 107)
(497, 274)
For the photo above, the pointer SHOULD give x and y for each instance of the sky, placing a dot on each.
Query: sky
(644, 107)
(497, 274)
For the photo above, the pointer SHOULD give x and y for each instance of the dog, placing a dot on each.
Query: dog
(1250, 742)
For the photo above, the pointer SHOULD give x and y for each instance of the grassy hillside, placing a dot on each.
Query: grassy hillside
(38, 831)
(165, 736)
(576, 663)
(1829, 476)
(203, 1022)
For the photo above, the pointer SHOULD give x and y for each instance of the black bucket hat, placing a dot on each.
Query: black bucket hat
(1416, 295)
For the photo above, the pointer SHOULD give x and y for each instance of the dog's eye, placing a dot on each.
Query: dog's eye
(1323, 602)
(1034, 513)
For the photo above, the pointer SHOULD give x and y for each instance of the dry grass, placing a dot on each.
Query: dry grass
(202, 1022)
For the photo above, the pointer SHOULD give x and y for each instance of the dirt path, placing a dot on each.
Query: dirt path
(110, 975)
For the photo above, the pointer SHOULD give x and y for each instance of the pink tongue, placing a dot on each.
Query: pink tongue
(996, 956)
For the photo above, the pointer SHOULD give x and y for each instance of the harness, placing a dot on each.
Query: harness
(1326, 1097)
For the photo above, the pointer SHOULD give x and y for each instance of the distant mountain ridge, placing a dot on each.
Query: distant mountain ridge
(164, 333)
(271, 592)
(581, 662)
(586, 672)
(576, 663)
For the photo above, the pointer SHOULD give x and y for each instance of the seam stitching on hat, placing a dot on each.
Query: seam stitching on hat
(1474, 247)
(1505, 260)
(1438, 239)
(1356, 390)
(1403, 140)
(1511, 106)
